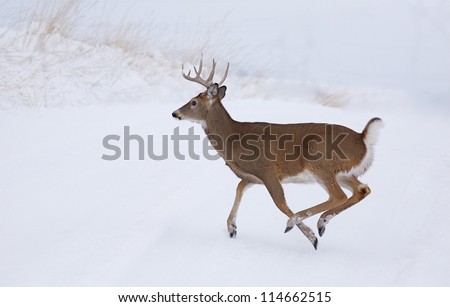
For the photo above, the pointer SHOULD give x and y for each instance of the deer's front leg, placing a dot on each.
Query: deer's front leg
(231, 222)
(275, 189)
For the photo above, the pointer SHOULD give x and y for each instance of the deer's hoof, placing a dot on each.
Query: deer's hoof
(288, 228)
(232, 230)
(321, 230)
(321, 226)
(315, 243)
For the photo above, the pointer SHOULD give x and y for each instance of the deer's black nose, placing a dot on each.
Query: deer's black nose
(176, 115)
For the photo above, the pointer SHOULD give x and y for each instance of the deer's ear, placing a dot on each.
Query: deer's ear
(213, 90)
(222, 91)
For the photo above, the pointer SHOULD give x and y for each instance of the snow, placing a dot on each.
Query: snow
(70, 218)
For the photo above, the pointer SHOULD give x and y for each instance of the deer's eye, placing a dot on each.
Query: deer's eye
(193, 103)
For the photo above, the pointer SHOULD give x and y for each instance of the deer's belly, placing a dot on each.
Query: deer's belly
(242, 174)
(302, 177)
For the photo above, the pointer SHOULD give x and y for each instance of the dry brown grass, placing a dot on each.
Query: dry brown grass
(50, 37)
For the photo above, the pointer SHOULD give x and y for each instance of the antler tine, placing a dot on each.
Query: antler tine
(225, 75)
(188, 76)
(198, 79)
(200, 67)
(211, 74)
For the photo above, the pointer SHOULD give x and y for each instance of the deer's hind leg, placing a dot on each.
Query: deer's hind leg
(336, 198)
(359, 190)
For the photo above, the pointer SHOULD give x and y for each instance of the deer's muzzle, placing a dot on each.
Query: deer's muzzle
(176, 114)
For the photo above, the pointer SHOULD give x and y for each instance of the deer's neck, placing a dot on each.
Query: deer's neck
(219, 122)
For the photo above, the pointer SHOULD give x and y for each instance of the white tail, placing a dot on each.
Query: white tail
(372, 131)
(272, 154)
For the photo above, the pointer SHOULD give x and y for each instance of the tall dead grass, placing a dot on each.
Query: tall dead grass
(51, 36)
(45, 49)
(42, 19)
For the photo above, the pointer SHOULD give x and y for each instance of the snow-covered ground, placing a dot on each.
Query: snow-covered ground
(70, 218)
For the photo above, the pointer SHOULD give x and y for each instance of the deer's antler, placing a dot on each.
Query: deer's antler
(198, 79)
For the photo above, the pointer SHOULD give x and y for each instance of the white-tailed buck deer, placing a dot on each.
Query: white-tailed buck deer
(271, 154)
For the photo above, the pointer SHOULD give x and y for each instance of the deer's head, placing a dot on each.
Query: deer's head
(198, 108)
